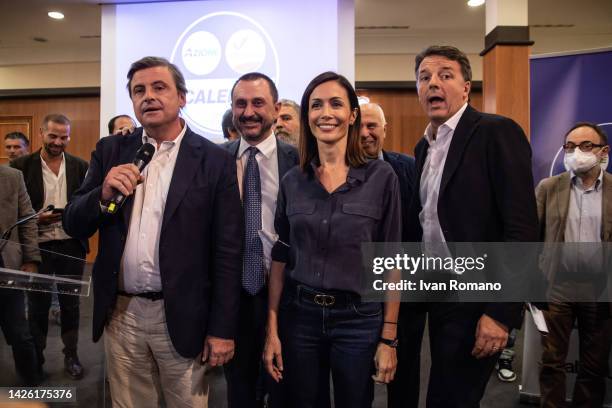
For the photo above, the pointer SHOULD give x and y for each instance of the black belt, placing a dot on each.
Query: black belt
(327, 298)
(146, 295)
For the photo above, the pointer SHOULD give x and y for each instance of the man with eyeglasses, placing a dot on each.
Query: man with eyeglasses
(572, 207)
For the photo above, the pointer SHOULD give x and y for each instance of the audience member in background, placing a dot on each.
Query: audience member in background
(327, 207)
(287, 125)
(16, 144)
(403, 391)
(261, 163)
(52, 176)
(167, 275)
(474, 184)
(20, 252)
(227, 125)
(573, 207)
(121, 125)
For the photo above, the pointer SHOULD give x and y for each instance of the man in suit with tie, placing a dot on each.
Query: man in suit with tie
(576, 206)
(167, 275)
(261, 161)
(52, 176)
(474, 184)
(403, 391)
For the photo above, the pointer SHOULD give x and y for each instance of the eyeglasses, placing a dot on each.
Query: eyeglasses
(585, 146)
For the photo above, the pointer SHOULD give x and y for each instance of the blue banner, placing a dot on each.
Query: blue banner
(564, 90)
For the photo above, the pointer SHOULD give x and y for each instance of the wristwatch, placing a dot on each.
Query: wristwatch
(391, 343)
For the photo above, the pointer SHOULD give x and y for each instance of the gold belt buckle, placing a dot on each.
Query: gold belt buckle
(324, 300)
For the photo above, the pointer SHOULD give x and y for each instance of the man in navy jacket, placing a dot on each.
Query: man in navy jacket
(167, 274)
(403, 391)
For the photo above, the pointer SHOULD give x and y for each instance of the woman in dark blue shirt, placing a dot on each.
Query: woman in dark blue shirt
(335, 200)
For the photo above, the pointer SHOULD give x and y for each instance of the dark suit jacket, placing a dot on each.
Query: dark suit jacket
(287, 155)
(31, 167)
(405, 169)
(199, 253)
(486, 192)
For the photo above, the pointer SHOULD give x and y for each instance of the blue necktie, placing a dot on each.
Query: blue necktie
(253, 268)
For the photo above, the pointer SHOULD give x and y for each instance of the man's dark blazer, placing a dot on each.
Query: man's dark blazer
(31, 167)
(486, 192)
(200, 257)
(405, 169)
(403, 391)
(287, 155)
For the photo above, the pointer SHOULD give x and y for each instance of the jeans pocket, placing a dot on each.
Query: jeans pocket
(367, 309)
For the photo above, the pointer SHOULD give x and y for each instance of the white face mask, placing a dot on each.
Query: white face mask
(580, 162)
(604, 162)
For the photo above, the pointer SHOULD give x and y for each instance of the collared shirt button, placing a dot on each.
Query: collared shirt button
(324, 221)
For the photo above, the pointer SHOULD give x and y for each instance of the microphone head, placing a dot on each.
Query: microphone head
(50, 207)
(145, 153)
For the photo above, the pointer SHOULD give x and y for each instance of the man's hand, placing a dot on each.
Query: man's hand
(31, 267)
(491, 337)
(123, 178)
(273, 358)
(49, 218)
(385, 361)
(217, 351)
(124, 131)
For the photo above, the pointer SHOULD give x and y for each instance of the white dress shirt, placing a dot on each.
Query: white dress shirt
(140, 263)
(267, 161)
(431, 176)
(56, 193)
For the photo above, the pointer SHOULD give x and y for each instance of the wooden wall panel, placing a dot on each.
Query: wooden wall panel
(406, 121)
(506, 83)
(83, 111)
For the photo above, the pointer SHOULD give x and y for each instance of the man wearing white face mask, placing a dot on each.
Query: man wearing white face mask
(576, 206)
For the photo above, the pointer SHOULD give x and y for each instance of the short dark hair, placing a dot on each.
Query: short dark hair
(227, 123)
(111, 123)
(602, 135)
(152, 62)
(254, 76)
(447, 51)
(55, 118)
(17, 135)
(355, 156)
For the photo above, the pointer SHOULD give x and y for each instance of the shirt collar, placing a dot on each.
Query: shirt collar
(577, 181)
(380, 155)
(177, 140)
(355, 174)
(45, 163)
(450, 124)
(266, 146)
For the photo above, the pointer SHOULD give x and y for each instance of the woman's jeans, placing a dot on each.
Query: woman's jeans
(323, 331)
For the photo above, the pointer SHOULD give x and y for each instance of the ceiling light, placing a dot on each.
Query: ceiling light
(56, 15)
(475, 3)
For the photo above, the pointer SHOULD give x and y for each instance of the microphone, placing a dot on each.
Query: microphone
(6, 234)
(143, 157)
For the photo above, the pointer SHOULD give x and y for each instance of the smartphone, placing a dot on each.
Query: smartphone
(57, 211)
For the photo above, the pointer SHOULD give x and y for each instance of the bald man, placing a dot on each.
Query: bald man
(403, 392)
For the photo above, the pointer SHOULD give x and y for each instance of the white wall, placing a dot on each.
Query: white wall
(368, 67)
(398, 67)
(40, 76)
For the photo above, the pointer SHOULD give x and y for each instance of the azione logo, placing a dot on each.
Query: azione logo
(212, 53)
(556, 166)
